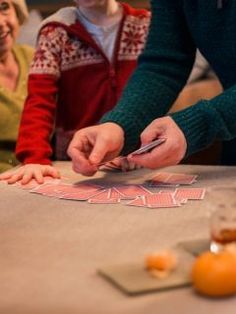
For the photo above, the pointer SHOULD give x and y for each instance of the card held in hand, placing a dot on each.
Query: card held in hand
(148, 147)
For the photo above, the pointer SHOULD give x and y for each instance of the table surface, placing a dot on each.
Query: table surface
(51, 249)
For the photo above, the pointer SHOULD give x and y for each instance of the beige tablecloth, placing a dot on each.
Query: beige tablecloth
(51, 248)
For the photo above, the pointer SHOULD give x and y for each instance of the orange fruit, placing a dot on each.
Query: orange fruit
(215, 274)
(163, 261)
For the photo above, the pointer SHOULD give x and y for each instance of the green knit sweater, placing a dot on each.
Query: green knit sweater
(178, 27)
(11, 105)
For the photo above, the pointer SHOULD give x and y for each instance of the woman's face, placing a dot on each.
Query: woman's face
(9, 26)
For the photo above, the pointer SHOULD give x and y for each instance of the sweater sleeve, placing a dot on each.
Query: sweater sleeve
(163, 70)
(38, 117)
(37, 121)
(208, 120)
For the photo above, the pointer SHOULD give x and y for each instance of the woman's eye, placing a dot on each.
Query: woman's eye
(4, 6)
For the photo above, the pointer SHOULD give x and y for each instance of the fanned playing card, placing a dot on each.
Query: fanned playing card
(138, 201)
(79, 191)
(189, 194)
(131, 191)
(160, 200)
(173, 178)
(34, 184)
(108, 196)
(103, 201)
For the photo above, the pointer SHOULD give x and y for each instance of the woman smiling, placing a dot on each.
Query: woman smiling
(14, 65)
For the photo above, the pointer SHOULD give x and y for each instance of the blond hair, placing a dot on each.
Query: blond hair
(21, 10)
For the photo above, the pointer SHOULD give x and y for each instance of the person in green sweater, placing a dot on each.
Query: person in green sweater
(14, 66)
(177, 29)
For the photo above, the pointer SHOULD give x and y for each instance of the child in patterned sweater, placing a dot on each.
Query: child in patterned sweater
(84, 57)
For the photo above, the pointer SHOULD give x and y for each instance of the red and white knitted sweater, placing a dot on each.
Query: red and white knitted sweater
(72, 83)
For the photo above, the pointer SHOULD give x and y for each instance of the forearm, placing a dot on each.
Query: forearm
(33, 144)
(208, 120)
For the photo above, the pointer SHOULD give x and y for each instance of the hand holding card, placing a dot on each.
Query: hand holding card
(142, 150)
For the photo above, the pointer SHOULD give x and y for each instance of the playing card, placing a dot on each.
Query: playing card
(114, 193)
(131, 191)
(173, 178)
(47, 189)
(161, 200)
(104, 201)
(148, 147)
(109, 166)
(107, 196)
(81, 196)
(138, 201)
(189, 194)
(167, 191)
(69, 190)
(182, 178)
(159, 184)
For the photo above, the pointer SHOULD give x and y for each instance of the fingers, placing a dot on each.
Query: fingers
(6, 175)
(85, 168)
(27, 177)
(168, 153)
(108, 144)
(28, 172)
(99, 151)
(76, 148)
(79, 151)
(127, 165)
(94, 145)
(54, 173)
(15, 178)
(81, 164)
(163, 155)
(151, 132)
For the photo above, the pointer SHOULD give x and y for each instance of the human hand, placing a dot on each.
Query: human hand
(171, 152)
(95, 145)
(28, 172)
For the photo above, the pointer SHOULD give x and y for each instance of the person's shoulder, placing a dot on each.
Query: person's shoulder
(136, 12)
(65, 16)
(25, 51)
